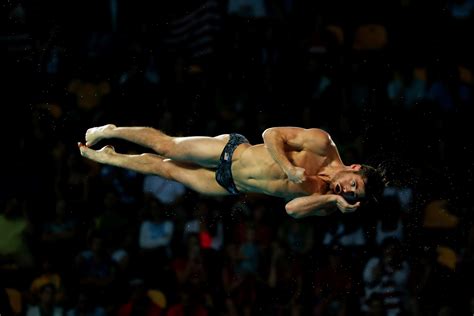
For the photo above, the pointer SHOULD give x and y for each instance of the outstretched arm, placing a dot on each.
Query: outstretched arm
(318, 205)
(276, 139)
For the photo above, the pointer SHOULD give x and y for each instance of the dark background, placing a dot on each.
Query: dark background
(391, 82)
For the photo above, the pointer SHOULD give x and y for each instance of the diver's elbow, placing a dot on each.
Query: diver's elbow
(268, 132)
(292, 211)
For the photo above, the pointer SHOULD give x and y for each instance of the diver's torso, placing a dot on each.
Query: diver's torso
(254, 170)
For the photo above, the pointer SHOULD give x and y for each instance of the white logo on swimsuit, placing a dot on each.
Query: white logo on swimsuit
(226, 156)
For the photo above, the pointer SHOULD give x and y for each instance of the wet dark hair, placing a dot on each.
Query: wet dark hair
(375, 182)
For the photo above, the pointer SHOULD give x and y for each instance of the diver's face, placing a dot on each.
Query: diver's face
(348, 184)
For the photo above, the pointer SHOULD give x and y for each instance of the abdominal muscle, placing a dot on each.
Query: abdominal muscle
(254, 170)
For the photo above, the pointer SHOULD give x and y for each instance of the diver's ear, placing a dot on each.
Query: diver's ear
(355, 167)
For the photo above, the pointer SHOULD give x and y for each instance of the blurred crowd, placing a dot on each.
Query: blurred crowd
(390, 81)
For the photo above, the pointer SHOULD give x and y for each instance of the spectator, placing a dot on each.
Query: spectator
(15, 228)
(297, 235)
(154, 240)
(111, 222)
(390, 225)
(48, 275)
(166, 191)
(332, 283)
(94, 266)
(387, 275)
(189, 266)
(46, 304)
(190, 304)
(85, 307)
(139, 303)
(285, 281)
(59, 235)
(208, 226)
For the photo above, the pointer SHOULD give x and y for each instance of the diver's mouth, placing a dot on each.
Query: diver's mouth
(337, 188)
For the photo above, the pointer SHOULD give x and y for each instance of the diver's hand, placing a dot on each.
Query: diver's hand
(296, 174)
(344, 206)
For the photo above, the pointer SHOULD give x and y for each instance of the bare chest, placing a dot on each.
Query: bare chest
(311, 162)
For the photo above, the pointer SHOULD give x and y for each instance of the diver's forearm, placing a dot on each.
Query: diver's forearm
(312, 205)
(275, 144)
